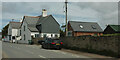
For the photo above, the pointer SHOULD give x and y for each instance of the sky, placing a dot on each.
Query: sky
(101, 11)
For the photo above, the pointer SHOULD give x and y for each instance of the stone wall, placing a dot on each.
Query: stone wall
(107, 45)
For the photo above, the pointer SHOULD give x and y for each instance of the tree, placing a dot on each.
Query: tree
(5, 31)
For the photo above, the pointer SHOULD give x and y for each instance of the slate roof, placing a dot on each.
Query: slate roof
(86, 26)
(41, 19)
(32, 28)
(15, 25)
(115, 27)
(31, 22)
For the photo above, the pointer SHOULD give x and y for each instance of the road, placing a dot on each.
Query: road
(11, 50)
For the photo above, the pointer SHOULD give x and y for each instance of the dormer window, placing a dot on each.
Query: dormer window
(81, 26)
(93, 26)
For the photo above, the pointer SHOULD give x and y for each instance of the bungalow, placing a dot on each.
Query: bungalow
(39, 26)
(111, 29)
(13, 31)
(83, 28)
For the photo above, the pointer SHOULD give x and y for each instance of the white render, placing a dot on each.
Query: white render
(44, 13)
(26, 35)
(12, 32)
(50, 35)
(33, 34)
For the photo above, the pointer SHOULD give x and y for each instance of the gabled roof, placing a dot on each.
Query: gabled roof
(43, 19)
(31, 22)
(115, 27)
(32, 28)
(85, 26)
(15, 25)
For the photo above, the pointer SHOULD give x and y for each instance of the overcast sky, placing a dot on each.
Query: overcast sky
(101, 11)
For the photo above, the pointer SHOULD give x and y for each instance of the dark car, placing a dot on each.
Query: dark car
(52, 43)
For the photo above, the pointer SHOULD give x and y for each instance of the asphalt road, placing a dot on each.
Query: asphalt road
(11, 50)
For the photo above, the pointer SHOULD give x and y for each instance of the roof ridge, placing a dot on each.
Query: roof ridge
(37, 16)
(81, 22)
(15, 22)
(33, 16)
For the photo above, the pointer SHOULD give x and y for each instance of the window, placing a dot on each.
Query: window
(56, 35)
(81, 26)
(36, 35)
(13, 37)
(24, 37)
(93, 26)
(44, 35)
(51, 35)
(20, 32)
(24, 28)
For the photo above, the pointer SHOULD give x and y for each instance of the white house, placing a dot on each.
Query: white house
(48, 26)
(28, 29)
(13, 31)
(39, 26)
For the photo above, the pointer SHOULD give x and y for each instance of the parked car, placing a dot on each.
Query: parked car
(52, 43)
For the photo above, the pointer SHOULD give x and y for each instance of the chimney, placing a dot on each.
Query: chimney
(44, 12)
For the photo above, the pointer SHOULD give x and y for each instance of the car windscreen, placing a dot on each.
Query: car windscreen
(56, 41)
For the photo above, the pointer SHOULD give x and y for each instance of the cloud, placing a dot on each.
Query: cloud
(104, 12)
(101, 12)
(60, 0)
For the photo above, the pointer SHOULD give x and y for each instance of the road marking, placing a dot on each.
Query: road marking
(41, 56)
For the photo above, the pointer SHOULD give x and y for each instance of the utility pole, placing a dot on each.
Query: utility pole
(66, 30)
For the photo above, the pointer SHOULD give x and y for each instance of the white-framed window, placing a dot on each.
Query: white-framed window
(36, 35)
(81, 26)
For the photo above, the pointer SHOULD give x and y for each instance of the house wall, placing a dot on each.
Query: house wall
(9, 30)
(14, 32)
(50, 35)
(33, 34)
(25, 35)
(86, 33)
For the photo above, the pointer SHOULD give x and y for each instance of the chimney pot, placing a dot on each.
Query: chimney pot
(44, 12)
